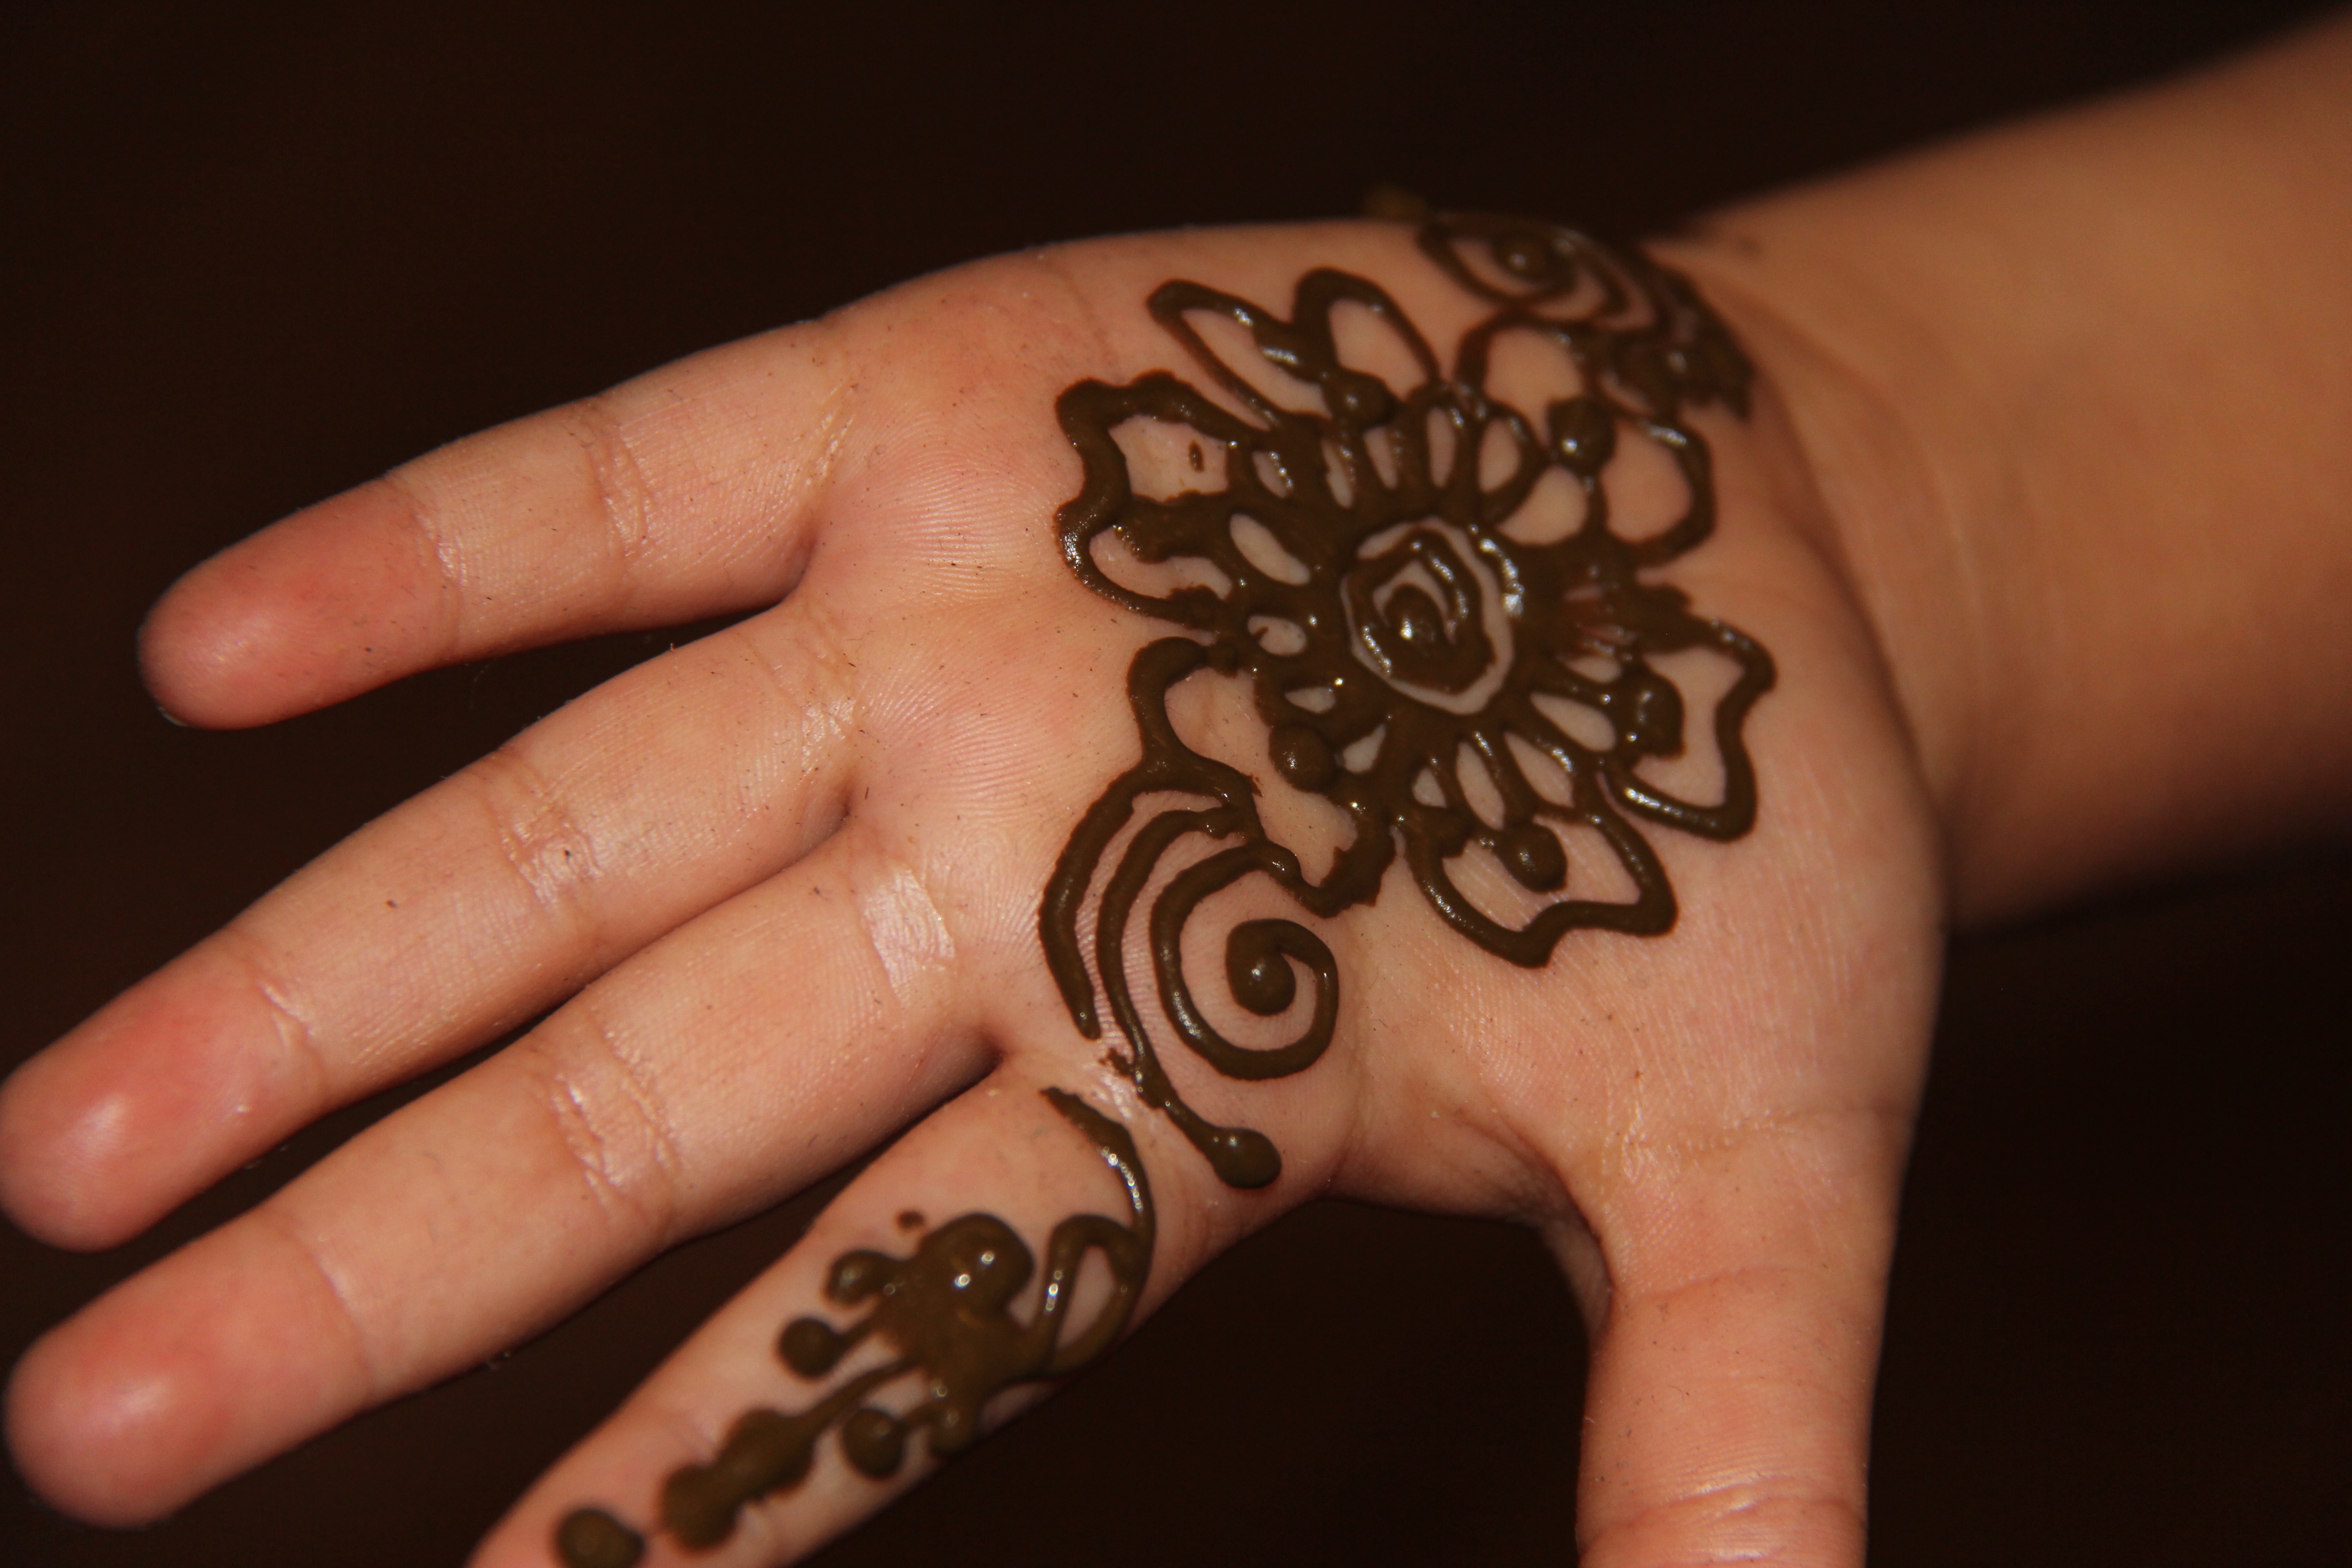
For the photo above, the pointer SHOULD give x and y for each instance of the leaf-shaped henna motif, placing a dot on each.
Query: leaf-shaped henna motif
(1397, 622)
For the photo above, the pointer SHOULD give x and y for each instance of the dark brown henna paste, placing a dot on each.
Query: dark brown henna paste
(1406, 624)
(946, 1315)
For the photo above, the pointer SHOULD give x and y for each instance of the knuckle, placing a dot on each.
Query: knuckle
(605, 1107)
(810, 673)
(541, 842)
(422, 512)
(298, 1037)
(903, 928)
(617, 481)
(1779, 1134)
(358, 1347)
(1784, 1520)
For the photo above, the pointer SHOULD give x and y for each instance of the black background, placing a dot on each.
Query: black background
(254, 256)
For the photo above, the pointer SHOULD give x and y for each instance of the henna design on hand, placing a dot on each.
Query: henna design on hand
(1398, 621)
(946, 1315)
(1408, 625)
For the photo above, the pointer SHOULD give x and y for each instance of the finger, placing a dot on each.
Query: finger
(684, 493)
(440, 925)
(733, 1063)
(1727, 1417)
(729, 1456)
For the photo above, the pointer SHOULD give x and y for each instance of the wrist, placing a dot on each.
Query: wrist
(2072, 395)
(1877, 502)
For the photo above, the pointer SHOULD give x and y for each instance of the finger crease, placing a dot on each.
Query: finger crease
(1756, 1499)
(623, 496)
(1768, 1125)
(424, 521)
(297, 1040)
(541, 842)
(347, 1317)
(634, 1178)
(811, 683)
(903, 927)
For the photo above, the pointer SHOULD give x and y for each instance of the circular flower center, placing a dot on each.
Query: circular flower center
(1418, 612)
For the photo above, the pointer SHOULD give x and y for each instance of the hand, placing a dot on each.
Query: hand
(783, 890)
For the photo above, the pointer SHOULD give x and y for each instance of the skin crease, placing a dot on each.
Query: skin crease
(1709, 1129)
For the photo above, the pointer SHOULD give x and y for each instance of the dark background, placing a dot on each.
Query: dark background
(256, 256)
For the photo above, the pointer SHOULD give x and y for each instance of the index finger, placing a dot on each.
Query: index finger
(686, 492)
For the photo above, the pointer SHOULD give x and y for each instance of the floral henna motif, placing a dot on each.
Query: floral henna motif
(945, 1315)
(1391, 620)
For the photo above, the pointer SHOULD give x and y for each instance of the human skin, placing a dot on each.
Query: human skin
(1731, 1218)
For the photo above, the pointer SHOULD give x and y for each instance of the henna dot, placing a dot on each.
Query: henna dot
(1647, 712)
(811, 1347)
(591, 1538)
(1524, 253)
(1583, 434)
(1303, 756)
(874, 1441)
(1534, 856)
(698, 1508)
(1241, 1157)
(1259, 976)
(858, 1275)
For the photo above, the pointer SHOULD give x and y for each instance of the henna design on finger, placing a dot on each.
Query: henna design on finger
(1393, 622)
(945, 1316)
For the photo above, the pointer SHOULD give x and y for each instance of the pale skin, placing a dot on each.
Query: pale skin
(2040, 512)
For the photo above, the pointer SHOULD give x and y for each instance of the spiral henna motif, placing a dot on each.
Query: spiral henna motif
(1407, 624)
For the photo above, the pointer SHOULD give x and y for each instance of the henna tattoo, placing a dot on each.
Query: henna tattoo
(946, 1315)
(1390, 622)
(1396, 624)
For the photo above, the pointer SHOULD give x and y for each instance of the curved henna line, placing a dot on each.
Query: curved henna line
(1125, 885)
(1241, 1156)
(1156, 667)
(1520, 799)
(1696, 524)
(1278, 938)
(1386, 634)
(1496, 506)
(1117, 1146)
(1735, 812)
(1692, 353)
(1583, 258)
(1301, 347)
(1531, 945)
